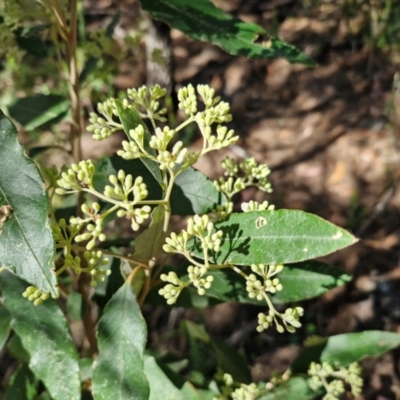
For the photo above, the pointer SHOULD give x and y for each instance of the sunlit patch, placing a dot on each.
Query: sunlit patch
(5, 212)
(337, 235)
(260, 222)
(305, 249)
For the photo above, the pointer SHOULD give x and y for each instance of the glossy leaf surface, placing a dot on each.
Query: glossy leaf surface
(26, 242)
(39, 110)
(201, 20)
(44, 334)
(160, 385)
(294, 389)
(277, 237)
(22, 385)
(119, 369)
(5, 325)
(344, 349)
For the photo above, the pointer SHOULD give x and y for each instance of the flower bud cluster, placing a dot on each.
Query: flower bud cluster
(290, 319)
(242, 175)
(228, 391)
(64, 233)
(255, 206)
(35, 295)
(203, 229)
(134, 148)
(96, 262)
(200, 227)
(78, 177)
(246, 392)
(147, 99)
(173, 289)
(333, 381)
(102, 128)
(196, 277)
(222, 211)
(94, 233)
(187, 100)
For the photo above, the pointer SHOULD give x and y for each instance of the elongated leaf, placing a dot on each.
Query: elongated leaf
(131, 120)
(29, 40)
(22, 385)
(160, 385)
(294, 389)
(202, 21)
(342, 350)
(5, 328)
(231, 361)
(308, 279)
(228, 358)
(44, 333)
(193, 192)
(26, 244)
(151, 240)
(17, 350)
(39, 110)
(119, 369)
(277, 237)
(189, 392)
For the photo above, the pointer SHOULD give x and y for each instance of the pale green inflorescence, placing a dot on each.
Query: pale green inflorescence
(32, 293)
(235, 390)
(333, 380)
(128, 195)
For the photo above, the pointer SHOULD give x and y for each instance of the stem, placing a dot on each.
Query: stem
(111, 254)
(71, 44)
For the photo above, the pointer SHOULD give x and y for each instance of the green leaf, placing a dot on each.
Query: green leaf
(74, 306)
(29, 40)
(131, 120)
(106, 289)
(17, 350)
(342, 350)
(147, 244)
(192, 193)
(150, 241)
(44, 333)
(189, 392)
(39, 110)
(294, 389)
(276, 237)
(231, 361)
(228, 358)
(5, 328)
(22, 385)
(160, 384)
(85, 367)
(26, 244)
(201, 20)
(119, 369)
(308, 279)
